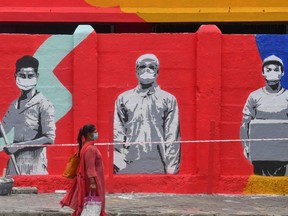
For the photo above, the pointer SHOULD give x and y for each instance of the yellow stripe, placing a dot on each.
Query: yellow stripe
(266, 185)
(201, 11)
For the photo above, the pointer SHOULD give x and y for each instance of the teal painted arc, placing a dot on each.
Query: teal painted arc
(50, 54)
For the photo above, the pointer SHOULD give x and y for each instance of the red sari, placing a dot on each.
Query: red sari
(91, 165)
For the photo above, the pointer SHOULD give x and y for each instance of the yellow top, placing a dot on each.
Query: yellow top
(201, 11)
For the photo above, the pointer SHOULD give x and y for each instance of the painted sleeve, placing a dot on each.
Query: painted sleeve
(172, 137)
(90, 162)
(119, 121)
(248, 113)
(249, 107)
(7, 120)
(48, 120)
(119, 136)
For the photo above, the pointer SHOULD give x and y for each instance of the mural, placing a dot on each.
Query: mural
(86, 77)
(265, 115)
(32, 117)
(146, 125)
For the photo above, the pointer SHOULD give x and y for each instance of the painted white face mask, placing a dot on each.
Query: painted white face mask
(273, 76)
(146, 77)
(26, 84)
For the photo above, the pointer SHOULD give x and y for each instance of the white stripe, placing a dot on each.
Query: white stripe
(157, 142)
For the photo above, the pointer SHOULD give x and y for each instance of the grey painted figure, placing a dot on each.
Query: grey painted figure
(265, 116)
(32, 118)
(146, 125)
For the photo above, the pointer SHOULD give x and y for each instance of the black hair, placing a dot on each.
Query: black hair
(27, 61)
(274, 63)
(83, 132)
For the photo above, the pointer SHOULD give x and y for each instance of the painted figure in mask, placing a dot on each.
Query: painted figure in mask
(265, 116)
(146, 125)
(31, 116)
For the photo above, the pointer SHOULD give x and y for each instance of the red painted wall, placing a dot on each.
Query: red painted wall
(210, 74)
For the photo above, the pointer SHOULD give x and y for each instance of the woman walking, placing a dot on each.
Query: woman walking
(90, 173)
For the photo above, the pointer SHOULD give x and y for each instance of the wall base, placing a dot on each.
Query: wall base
(266, 185)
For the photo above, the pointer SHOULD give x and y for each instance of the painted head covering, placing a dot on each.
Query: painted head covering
(272, 59)
(148, 57)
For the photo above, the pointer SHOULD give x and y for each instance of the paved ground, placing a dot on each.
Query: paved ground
(152, 204)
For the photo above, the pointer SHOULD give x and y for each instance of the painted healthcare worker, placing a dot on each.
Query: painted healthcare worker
(267, 109)
(32, 117)
(146, 125)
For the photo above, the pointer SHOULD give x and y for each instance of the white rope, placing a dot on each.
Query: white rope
(157, 142)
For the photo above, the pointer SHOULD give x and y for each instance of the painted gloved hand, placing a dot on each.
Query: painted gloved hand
(247, 153)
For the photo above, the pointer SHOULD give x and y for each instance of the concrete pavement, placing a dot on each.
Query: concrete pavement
(47, 204)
